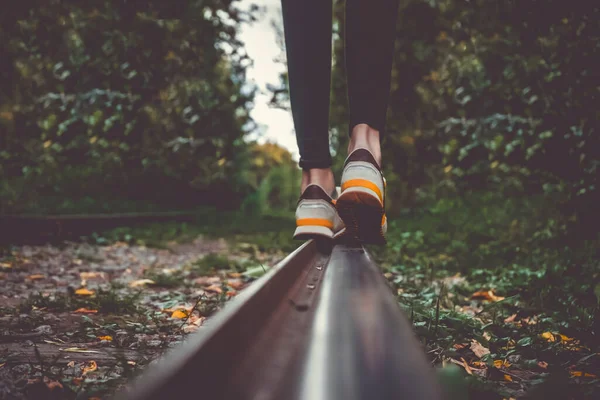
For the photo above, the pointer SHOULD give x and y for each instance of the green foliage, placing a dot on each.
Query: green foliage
(441, 253)
(489, 95)
(122, 98)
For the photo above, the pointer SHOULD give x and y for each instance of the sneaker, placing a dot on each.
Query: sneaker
(316, 215)
(362, 202)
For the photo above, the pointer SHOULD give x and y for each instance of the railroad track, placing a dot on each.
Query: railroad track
(321, 325)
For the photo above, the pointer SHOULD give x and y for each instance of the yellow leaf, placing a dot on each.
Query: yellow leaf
(409, 140)
(179, 314)
(36, 277)
(7, 115)
(582, 374)
(494, 164)
(565, 338)
(501, 363)
(548, 336)
(141, 282)
(90, 367)
(47, 143)
(467, 368)
(93, 139)
(448, 169)
(5, 265)
(84, 292)
(108, 338)
(85, 311)
(507, 378)
(91, 275)
(170, 55)
(2, 365)
(486, 295)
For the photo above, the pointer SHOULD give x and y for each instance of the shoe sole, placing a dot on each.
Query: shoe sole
(362, 214)
(307, 232)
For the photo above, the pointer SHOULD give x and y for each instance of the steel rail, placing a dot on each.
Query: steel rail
(320, 325)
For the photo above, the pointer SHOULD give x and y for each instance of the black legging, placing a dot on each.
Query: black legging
(370, 34)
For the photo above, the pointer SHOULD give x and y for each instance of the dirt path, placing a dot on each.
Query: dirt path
(81, 319)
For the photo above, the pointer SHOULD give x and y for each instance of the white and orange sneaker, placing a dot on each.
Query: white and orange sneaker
(362, 202)
(316, 215)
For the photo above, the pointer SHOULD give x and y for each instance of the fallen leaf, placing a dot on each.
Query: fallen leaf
(478, 349)
(214, 288)
(235, 283)
(179, 314)
(85, 311)
(548, 336)
(91, 275)
(2, 365)
(5, 265)
(131, 362)
(53, 342)
(581, 374)
(231, 293)
(565, 338)
(510, 319)
(53, 385)
(141, 282)
(71, 364)
(36, 277)
(190, 328)
(507, 378)
(234, 274)
(207, 280)
(90, 367)
(84, 292)
(467, 368)
(108, 338)
(486, 295)
(501, 363)
(543, 364)
(487, 336)
(78, 350)
(459, 346)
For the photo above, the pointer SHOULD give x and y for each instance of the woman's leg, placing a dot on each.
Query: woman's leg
(370, 35)
(307, 27)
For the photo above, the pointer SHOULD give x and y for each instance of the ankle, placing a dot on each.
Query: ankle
(319, 176)
(363, 136)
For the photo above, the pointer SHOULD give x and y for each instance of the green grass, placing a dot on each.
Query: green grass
(519, 249)
(266, 232)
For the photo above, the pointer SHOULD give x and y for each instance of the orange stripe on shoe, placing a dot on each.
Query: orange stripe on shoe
(383, 220)
(314, 222)
(364, 184)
